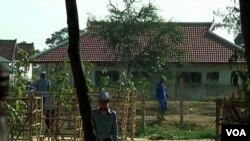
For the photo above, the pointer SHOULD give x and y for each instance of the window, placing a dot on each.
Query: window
(190, 77)
(213, 77)
(140, 74)
(113, 75)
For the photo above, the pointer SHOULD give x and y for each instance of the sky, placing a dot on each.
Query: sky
(33, 21)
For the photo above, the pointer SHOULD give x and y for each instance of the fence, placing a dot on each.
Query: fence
(198, 91)
(29, 120)
(25, 117)
(61, 121)
(67, 124)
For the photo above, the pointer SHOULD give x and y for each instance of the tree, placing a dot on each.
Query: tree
(58, 37)
(245, 27)
(230, 18)
(140, 39)
(235, 18)
(139, 36)
(4, 90)
(77, 70)
(37, 51)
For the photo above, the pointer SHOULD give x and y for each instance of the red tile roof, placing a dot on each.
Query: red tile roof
(7, 49)
(200, 45)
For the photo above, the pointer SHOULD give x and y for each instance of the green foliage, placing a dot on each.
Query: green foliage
(141, 38)
(60, 78)
(17, 108)
(22, 67)
(61, 82)
(125, 84)
(239, 77)
(105, 79)
(139, 35)
(36, 73)
(58, 37)
(141, 82)
(235, 58)
(171, 131)
(88, 67)
(230, 18)
(141, 41)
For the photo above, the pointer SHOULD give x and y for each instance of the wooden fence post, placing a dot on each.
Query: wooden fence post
(181, 103)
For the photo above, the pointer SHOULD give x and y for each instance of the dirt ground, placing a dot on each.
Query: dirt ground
(196, 112)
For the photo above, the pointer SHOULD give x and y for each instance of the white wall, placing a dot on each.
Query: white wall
(29, 73)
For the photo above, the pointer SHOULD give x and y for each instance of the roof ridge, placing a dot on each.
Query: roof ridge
(25, 43)
(45, 51)
(223, 39)
(8, 39)
(95, 50)
(55, 47)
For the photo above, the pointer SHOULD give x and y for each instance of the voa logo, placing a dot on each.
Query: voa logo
(236, 132)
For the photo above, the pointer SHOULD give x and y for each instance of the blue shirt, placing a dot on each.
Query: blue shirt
(106, 124)
(161, 92)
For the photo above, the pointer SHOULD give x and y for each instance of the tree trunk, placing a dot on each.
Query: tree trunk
(4, 89)
(245, 27)
(78, 71)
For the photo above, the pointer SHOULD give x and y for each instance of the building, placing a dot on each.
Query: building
(206, 53)
(9, 54)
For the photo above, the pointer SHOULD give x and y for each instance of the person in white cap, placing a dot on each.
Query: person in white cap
(105, 119)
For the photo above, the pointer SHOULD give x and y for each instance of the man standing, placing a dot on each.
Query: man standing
(42, 86)
(105, 119)
(162, 96)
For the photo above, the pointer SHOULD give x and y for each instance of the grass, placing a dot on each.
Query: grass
(167, 131)
(199, 123)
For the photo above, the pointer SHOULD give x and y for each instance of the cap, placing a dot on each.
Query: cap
(104, 96)
(43, 72)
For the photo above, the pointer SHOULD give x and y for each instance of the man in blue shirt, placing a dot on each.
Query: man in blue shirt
(105, 119)
(162, 96)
